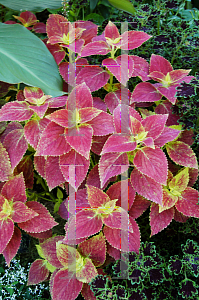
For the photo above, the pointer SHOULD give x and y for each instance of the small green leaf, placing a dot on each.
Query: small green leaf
(93, 4)
(40, 251)
(59, 194)
(56, 206)
(124, 5)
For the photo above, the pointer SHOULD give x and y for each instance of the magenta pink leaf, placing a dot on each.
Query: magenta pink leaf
(81, 165)
(154, 125)
(87, 293)
(118, 143)
(122, 191)
(115, 253)
(133, 39)
(111, 31)
(93, 177)
(122, 120)
(54, 176)
(15, 189)
(40, 110)
(157, 76)
(117, 219)
(121, 67)
(159, 63)
(167, 135)
(178, 75)
(61, 117)
(13, 246)
(27, 18)
(140, 204)
(80, 97)
(179, 217)
(187, 203)
(49, 250)
(98, 143)
(182, 154)
(88, 114)
(146, 187)
(42, 235)
(44, 221)
(56, 102)
(9, 128)
(40, 27)
(141, 67)
(33, 130)
(94, 248)
(94, 77)
(15, 111)
(52, 141)
(169, 92)
(22, 213)
(102, 124)
(145, 92)
(5, 165)
(186, 136)
(110, 165)
(96, 197)
(65, 285)
(165, 107)
(56, 26)
(68, 72)
(38, 272)
(112, 99)
(16, 146)
(86, 224)
(90, 32)
(193, 175)
(94, 48)
(159, 221)
(153, 163)
(6, 232)
(57, 51)
(80, 139)
(81, 200)
(39, 164)
(99, 104)
(124, 240)
(26, 166)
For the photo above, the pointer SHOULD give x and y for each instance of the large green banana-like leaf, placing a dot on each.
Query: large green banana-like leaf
(124, 5)
(32, 5)
(25, 58)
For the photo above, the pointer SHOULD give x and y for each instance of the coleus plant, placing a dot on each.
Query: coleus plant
(65, 133)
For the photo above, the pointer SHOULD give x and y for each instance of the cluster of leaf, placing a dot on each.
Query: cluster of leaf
(175, 31)
(148, 275)
(102, 138)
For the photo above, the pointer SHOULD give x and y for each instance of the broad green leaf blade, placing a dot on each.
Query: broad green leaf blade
(124, 5)
(93, 4)
(25, 58)
(33, 6)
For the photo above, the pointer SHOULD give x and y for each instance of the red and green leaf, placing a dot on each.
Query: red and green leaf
(146, 186)
(5, 165)
(13, 246)
(43, 222)
(159, 221)
(153, 163)
(38, 272)
(94, 248)
(187, 203)
(182, 154)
